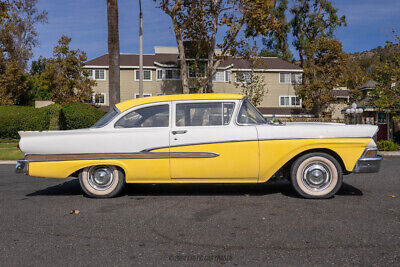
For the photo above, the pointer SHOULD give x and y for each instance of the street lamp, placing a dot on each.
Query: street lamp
(353, 111)
(140, 50)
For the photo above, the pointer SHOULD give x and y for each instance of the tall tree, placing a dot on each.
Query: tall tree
(18, 36)
(322, 73)
(113, 52)
(275, 39)
(64, 76)
(197, 22)
(313, 19)
(386, 95)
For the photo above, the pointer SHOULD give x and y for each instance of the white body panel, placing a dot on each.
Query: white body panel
(315, 130)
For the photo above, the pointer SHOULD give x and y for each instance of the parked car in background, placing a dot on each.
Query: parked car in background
(199, 138)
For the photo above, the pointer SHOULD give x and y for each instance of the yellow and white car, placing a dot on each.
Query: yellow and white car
(199, 138)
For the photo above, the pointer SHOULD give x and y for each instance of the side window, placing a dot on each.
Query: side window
(204, 114)
(154, 116)
(248, 114)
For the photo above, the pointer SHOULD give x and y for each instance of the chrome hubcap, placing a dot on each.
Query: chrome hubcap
(100, 177)
(317, 176)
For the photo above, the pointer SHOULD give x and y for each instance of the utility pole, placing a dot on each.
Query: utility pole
(140, 50)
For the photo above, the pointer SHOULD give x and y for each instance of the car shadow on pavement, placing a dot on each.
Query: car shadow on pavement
(67, 188)
(283, 187)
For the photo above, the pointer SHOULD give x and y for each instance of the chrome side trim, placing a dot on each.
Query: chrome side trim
(249, 140)
(22, 166)
(105, 156)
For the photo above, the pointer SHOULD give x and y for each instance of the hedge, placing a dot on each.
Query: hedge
(21, 118)
(78, 116)
(384, 145)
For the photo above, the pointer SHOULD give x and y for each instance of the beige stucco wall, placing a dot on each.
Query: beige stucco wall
(130, 87)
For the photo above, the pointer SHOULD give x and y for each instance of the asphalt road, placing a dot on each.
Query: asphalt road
(200, 224)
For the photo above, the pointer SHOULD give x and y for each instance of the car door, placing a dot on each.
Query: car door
(207, 145)
(143, 134)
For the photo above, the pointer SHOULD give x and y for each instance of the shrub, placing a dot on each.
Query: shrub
(384, 145)
(396, 137)
(53, 111)
(21, 118)
(78, 116)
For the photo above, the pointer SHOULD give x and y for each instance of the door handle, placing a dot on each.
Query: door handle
(179, 132)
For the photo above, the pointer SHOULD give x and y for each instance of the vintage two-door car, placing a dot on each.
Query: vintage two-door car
(199, 138)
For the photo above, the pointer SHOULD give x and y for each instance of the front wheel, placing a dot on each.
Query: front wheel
(316, 175)
(102, 181)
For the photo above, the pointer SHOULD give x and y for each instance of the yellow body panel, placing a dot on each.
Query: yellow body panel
(164, 98)
(275, 153)
(237, 161)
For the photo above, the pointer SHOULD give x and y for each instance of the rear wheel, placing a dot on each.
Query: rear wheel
(102, 181)
(316, 175)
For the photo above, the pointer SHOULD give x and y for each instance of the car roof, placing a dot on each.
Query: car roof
(163, 98)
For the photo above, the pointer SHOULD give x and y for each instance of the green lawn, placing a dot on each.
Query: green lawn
(9, 150)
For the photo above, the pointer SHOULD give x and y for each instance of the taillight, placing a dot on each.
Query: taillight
(18, 146)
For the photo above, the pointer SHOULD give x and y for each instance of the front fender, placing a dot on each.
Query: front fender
(276, 153)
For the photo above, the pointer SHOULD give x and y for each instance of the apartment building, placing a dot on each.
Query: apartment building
(162, 76)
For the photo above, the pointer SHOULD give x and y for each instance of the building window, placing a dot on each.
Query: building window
(172, 74)
(197, 71)
(289, 101)
(146, 75)
(97, 74)
(90, 74)
(98, 99)
(244, 77)
(228, 75)
(219, 76)
(159, 75)
(168, 74)
(290, 78)
(284, 78)
(144, 95)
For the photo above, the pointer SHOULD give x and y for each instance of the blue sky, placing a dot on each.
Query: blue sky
(85, 21)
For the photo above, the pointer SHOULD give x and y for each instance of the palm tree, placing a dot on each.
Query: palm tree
(113, 52)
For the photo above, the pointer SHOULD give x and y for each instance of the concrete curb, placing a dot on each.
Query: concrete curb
(8, 162)
(389, 153)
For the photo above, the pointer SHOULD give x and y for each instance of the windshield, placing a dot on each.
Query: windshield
(248, 114)
(106, 118)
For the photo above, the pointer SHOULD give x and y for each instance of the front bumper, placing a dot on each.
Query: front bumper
(368, 165)
(22, 166)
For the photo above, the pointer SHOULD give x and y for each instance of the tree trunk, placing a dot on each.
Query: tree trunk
(182, 61)
(113, 53)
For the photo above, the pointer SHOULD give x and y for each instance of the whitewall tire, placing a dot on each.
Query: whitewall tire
(316, 175)
(102, 181)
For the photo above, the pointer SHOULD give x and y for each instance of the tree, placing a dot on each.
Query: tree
(196, 24)
(325, 64)
(64, 75)
(275, 39)
(18, 36)
(113, 52)
(386, 95)
(312, 20)
(253, 89)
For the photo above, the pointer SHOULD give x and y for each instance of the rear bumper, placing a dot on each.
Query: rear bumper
(368, 165)
(22, 166)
